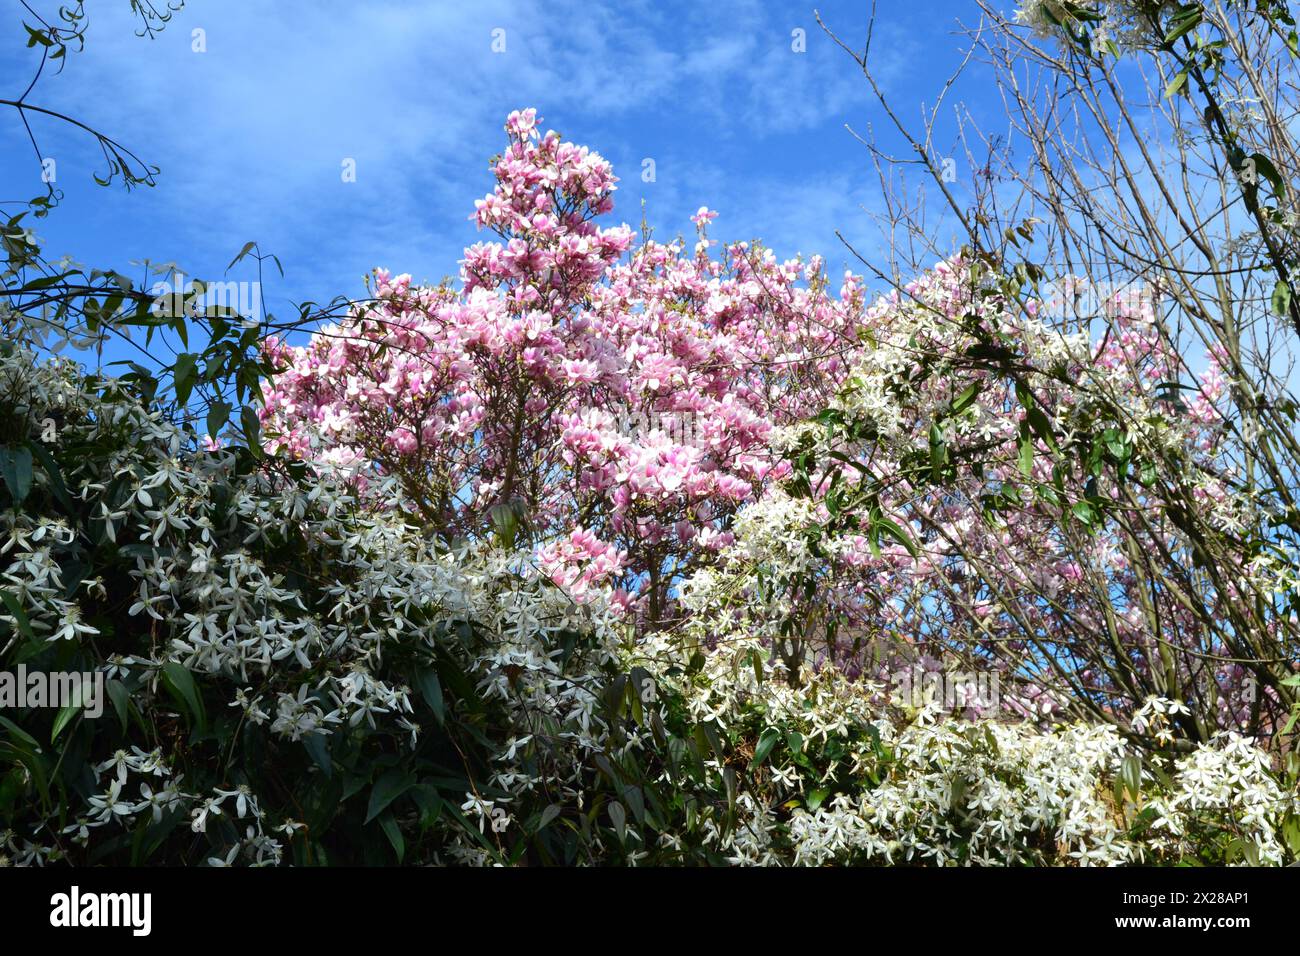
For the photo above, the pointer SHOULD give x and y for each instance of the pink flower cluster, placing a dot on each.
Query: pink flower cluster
(580, 561)
(534, 380)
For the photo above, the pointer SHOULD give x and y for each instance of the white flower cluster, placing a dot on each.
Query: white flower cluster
(138, 787)
(302, 644)
(306, 648)
(995, 794)
(928, 788)
(1121, 21)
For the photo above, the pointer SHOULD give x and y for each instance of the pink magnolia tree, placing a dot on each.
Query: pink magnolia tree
(617, 396)
(942, 472)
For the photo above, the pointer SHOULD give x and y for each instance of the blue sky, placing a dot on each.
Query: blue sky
(251, 135)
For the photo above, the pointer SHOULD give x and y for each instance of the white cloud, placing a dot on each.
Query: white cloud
(250, 135)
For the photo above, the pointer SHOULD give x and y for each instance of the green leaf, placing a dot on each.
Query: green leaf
(57, 484)
(388, 788)
(121, 698)
(317, 747)
(938, 452)
(218, 415)
(505, 523)
(180, 682)
(895, 531)
(1281, 298)
(618, 816)
(1291, 722)
(1264, 167)
(1025, 459)
(64, 718)
(766, 741)
(252, 426)
(19, 733)
(431, 688)
(427, 798)
(248, 247)
(1176, 84)
(185, 372)
(16, 467)
(16, 610)
(1184, 23)
(967, 396)
(394, 834)
(1291, 834)
(35, 36)
(1130, 773)
(550, 813)
(1042, 426)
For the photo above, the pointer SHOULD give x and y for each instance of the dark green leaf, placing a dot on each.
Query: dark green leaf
(388, 788)
(766, 741)
(180, 682)
(394, 834)
(16, 467)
